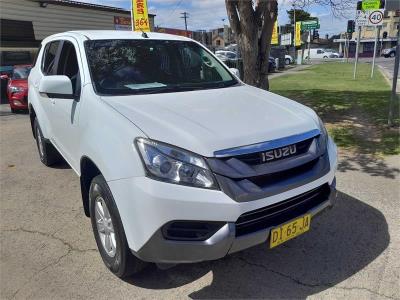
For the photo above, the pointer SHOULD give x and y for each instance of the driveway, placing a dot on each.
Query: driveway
(48, 251)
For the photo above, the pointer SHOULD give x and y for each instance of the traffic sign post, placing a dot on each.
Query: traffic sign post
(357, 47)
(309, 45)
(369, 13)
(378, 31)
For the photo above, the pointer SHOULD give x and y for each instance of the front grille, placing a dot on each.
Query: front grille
(246, 177)
(255, 158)
(275, 178)
(279, 213)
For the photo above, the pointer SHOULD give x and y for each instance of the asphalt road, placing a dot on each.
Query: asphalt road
(48, 250)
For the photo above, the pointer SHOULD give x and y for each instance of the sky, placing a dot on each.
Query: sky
(209, 14)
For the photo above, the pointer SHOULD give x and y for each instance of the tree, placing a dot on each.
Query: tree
(252, 22)
(301, 15)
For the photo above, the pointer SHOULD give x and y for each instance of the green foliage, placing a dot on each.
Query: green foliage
(301, 15)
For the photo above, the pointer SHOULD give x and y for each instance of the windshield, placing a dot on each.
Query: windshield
(21, 72)
(125, 67)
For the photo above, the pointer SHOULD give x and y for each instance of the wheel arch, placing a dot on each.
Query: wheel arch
(32, 116)
(88, 170)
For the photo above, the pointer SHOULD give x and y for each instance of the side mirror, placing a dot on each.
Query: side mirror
(4, 77)
(56, 86)
(235, 72)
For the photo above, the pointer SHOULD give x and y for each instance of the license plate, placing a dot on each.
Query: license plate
(289, 230)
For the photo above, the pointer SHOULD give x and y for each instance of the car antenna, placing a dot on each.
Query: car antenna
(144, 34)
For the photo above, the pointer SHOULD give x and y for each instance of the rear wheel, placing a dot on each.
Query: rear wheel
(109, 232)
(392, 54)
(47, 153)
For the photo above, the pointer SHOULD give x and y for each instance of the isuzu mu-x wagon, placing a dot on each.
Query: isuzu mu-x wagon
(179, 160)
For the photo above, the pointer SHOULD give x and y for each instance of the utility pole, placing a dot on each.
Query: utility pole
(185, 16)
(294, 33)
(395, 76)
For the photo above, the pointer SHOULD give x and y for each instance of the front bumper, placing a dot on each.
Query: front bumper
(18, 102)
(223, 242)
(145, 205)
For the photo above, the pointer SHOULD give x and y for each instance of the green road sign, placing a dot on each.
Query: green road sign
(310, 25)
(371, 4)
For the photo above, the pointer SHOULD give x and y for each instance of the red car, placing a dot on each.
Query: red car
(17, 88)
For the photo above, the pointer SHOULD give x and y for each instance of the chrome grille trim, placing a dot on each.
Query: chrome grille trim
(268, 145)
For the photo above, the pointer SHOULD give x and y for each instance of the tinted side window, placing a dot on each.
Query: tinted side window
(68, 66)
(49, 58)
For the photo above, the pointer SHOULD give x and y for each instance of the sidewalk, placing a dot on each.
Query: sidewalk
(292, 70)
(389, 78)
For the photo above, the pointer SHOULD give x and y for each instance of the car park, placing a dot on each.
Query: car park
(178, 162)
(390, 52)
(17, 87)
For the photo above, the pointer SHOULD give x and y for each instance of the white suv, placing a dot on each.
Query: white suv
(179, 161)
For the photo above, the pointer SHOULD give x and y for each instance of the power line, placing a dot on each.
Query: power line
(178, 4)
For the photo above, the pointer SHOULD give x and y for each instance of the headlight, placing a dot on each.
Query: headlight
(167, 163)
(324, 134)
(16, 89)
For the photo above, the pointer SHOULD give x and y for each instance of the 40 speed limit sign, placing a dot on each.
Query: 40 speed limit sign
(375, 17)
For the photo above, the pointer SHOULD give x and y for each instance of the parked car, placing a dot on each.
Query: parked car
(271, 65)
(17, 88)
(320, 53)
(228, 54)
(288, 59)
(8, 59)
(178, 162)
(333, 53)
(5, 74)
(390, 52)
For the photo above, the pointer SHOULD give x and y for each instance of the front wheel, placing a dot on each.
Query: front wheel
(287, 61)
(109, 232)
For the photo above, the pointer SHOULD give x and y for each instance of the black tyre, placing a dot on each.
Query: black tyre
(109, 232)
(392, 54)
(325, 56)
(13, 110)
(47, 153)
(287, 61)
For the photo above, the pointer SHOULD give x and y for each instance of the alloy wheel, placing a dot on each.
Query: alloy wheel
(105, 227)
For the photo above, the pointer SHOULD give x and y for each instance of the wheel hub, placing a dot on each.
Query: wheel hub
(105, 227)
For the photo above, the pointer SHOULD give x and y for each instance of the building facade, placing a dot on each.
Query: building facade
(25, 23)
